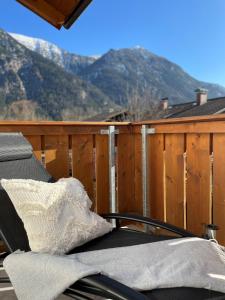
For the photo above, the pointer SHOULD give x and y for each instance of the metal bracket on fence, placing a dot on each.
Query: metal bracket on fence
(145, 186)
(107, 131)
(111, 132)
(147, 131)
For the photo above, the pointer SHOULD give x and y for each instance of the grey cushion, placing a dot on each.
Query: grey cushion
(14, 146)
(11, 226)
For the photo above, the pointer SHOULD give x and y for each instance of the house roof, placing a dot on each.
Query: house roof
(212, 106)
(107, 117)
(177, 108)
(57, 12)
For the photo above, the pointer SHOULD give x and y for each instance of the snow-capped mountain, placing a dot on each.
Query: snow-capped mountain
(32, 86)
(71, 62)
(124, 77)
(46, 49)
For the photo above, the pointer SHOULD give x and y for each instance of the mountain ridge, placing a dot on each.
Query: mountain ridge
(71, 62)
(131, 78)
(30, 43)
(56, 94)
(143, 71)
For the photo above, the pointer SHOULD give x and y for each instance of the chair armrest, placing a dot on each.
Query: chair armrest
(4, 280)
(149, 221)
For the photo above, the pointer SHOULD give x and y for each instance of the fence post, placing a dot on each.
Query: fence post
(145, 182)
(111, 132)
(112, 170)
(144, 169)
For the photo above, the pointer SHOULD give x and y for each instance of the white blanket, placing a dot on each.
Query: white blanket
(188, 262)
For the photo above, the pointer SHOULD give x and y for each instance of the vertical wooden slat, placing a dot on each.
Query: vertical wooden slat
(219, 185)
(102, 174)
(156, 175)
(198, 182)
(57, 155)
(125, 173)
(35, 141)
(82, 162)
(138, 174)
(174, 179)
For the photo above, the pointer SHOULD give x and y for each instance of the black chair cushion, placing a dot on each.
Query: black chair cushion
(11, 227)
(14, 146)
(119, 238)
(184, 294)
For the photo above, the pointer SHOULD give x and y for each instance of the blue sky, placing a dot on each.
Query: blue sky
(190, 33)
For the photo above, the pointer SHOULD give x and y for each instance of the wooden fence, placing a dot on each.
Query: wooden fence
(185, 165)
(187, 172)
(80, 150)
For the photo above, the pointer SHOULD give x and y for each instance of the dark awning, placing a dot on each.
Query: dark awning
(57, 12)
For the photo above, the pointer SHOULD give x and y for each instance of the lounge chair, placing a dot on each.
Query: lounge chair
(17, 161)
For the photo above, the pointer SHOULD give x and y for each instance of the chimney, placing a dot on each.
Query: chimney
(164, 103)
(201, 96)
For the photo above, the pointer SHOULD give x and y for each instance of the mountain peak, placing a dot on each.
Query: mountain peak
(30, 41)
(71, 62)
(138, 47)
(44, 48)
(136, 50)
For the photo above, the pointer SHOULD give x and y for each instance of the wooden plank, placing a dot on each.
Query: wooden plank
(174, 179)
(63, 123)
(138, 201)
(55, 129)
(83, 162)
(125, 173)
(216, 121)
(57, 155)
(102, 174)
(46, 11)
(196, 127)
(156, 175)
(57, 12)
(219, 185)
(182, 120)
(198, 182)
(65, 7)
(186, 125)
(35, 141)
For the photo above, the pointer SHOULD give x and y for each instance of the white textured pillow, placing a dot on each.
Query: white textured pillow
(56, 216)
